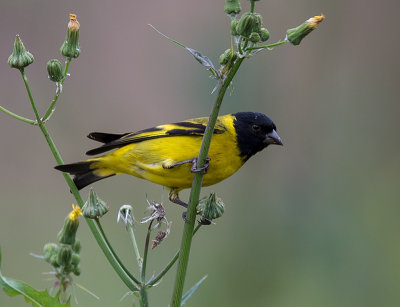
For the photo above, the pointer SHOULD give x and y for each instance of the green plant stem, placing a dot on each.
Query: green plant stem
(135, 246)
(21, 118)
(145, 253)
(252, 3)
(267, 46)
(196, 187)
(143, 289)
(50, 110)
(154, 280)
(99, 236)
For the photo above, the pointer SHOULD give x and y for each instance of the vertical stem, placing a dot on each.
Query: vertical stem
(196, 187)
(143, 290)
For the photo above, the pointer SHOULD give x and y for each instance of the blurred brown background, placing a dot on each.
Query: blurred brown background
(313, 223)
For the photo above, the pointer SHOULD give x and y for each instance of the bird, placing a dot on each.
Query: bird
(167, 154)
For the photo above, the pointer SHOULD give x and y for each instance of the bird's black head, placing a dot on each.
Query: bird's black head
(255, 131)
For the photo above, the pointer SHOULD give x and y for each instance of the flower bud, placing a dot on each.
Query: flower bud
(77, 270)
(20, 57)
(232, 7)
(94, 206)
(295, 35)
(71, 224)
(64, 255)
(254, 37)
(75, 259)
(264, 34)
(70, 48)
(77, 246)
(228, 55)
(55, 70)
(49, 250)
(249, 23)
(53, 260)
(210, 207)
(234, 23)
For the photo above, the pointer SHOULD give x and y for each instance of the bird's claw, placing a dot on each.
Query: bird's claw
(194, 168)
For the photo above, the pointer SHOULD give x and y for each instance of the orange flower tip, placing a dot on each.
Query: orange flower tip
(315, 21)
(76, 211)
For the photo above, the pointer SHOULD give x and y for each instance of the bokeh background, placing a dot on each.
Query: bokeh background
(313, 223)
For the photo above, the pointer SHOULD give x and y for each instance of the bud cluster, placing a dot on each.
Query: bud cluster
(64, 257)
(249, 26)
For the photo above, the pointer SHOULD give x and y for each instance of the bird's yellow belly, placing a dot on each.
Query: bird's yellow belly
(146, 159)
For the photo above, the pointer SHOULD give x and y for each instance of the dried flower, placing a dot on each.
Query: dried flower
(161, 236)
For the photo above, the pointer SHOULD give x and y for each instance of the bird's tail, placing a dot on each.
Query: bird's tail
(86, 172)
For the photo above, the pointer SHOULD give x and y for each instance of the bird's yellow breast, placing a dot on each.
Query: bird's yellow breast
(146, 159)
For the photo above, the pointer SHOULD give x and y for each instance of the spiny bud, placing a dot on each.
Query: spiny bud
(64, 255)
(249, 23)
(254, 37)
(55, 70)
(234, 23)
(70, 48)
(210, 207)
(94, 206)
(20, 57)
(232, 7)
(295, 35)
(264, 34)
(71, 224)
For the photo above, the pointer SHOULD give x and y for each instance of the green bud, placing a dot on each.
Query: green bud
(254, 37)
(227, 56)
(296, 35)
(55, 70)
(249, 23)
(20, 57)
(70, 48)
(75, 259)
(71, 223)
(49, 250)
(77, 270)
(234, 23)
(64, 255)
(53, 261)
(77, 246)
(232, 7)
(210, 207)
(264, 34)
(94, 206)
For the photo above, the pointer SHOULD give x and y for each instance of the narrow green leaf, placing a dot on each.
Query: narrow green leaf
(192, 290)
(202, 59)
(38, 298)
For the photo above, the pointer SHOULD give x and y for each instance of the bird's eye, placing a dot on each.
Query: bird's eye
(256, 128)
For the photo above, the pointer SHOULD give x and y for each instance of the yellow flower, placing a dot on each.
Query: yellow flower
(76, 211)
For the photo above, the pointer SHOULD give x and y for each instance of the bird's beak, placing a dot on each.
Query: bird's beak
(273, 138)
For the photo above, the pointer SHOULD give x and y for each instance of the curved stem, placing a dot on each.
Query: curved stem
(97, 233)
(196, 187)
(21, 118)
(50, 110)
(143, 291)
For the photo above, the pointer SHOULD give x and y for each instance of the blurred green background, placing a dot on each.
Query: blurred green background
(313, 223)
